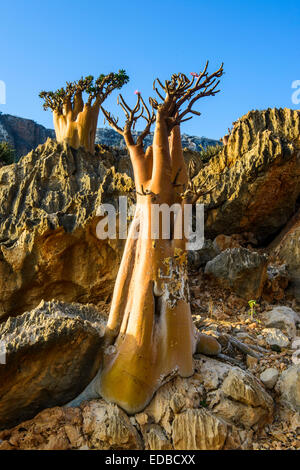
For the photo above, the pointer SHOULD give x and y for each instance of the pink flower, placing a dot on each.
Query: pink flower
(194, 74)
(137, 92)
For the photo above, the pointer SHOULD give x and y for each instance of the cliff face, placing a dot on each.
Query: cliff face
(25, 135)
(254, 181)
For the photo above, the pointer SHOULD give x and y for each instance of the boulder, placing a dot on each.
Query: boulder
(286, 247)
(283, 318)
(199, 258)
(253, 184)
(269, 377)
(52, 353)
(241, 270)
(48, 243)
(185, 413)
(289, 387)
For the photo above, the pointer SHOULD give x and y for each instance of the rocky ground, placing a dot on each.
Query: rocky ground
(56, 280)
(247, 342)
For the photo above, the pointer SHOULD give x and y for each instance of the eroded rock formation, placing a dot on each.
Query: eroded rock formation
(48, 243)
(52, 353)
(255, 178)
(219, 407)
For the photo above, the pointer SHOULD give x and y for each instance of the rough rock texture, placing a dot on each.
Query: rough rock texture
(287, 248)
(283, 318)
(255, 179)
(276, 283)
(52, 353)
(275, 337)
(219, 407)
(289, 387)
(48, 243)
(241, 270)
(200, 257)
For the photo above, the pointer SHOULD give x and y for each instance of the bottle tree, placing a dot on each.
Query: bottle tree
(150, 336)
(75, 121)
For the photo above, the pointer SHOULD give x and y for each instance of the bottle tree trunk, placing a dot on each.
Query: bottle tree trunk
(77, 124)
(150, 335)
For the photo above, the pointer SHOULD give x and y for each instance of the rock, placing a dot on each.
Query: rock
(296, 343)
(289, 387)
(48, 243)
(198, 258)
(208, 345)
(106, 426)
(283, 318)
(251, 361)
(240, 270)
(269, 377)
(52, 353)
(198, 430)
(96, 425)
(275, 337)
(287, 248)
(185, 413)
(222, 242)
(276, 283)
(252, 185)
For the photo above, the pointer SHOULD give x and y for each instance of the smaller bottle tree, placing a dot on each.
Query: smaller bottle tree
(75, 121)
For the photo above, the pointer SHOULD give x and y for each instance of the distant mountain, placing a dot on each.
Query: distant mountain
(109, 137)
(25, 134)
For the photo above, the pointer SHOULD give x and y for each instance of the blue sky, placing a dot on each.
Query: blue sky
(45, 43)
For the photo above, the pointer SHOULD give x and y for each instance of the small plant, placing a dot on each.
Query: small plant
(252, 304)
(7, 153)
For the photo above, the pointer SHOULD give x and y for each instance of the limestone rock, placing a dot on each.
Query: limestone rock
(276, 283)
(240, 270)
(242, 400)
(217, 408)
(198, 429)
(252, 185)
(287, 248)
(289, 387)
(283, 318)
(48, 243)
(269, 377)
(198, 258)
(52, 353)
(275, 337)
(106, 426)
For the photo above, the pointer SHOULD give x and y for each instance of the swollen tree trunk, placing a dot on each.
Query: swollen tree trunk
(150, 335)
(77, 126)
